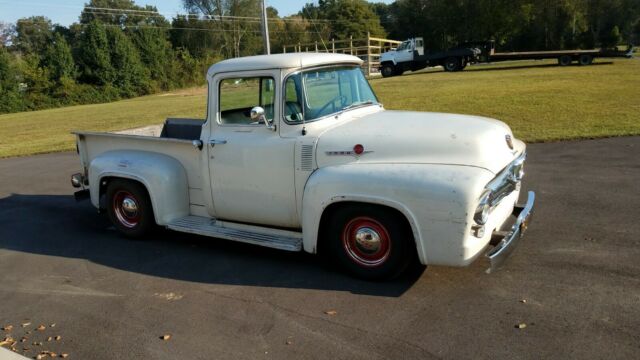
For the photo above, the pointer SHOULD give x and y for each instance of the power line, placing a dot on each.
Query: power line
(200, 17)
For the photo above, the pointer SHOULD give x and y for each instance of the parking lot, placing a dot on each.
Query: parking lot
(574, 281)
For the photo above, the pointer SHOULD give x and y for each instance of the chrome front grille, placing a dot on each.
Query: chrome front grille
(507, 181)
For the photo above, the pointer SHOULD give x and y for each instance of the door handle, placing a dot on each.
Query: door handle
(215, 142)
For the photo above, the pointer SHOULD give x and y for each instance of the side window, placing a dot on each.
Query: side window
(237, 96)
(293, 101)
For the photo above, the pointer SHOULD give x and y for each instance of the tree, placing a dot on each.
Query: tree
(93, 55)
(348, 18)
(121, 13)
(33, 34)
(59, 59)
(155, 53)
(7, 32)
(131, 77)
(238, 35)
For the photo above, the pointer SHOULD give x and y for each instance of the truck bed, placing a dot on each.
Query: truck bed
(173, 138)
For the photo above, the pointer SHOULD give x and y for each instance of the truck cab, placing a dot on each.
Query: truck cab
(297, 153)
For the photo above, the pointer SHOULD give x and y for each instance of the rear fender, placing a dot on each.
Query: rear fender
(163, 176)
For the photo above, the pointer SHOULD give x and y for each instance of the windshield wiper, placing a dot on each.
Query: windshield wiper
(357, 104)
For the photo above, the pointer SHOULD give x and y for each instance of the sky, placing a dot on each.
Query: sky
(66, 12)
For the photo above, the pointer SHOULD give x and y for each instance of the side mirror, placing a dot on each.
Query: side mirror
(257, 115)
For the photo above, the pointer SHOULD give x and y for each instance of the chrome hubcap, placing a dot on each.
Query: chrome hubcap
(126, 209)
(129, 207)
(367, 240)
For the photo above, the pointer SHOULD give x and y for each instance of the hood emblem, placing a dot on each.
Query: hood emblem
(509, 141)
(357, 150)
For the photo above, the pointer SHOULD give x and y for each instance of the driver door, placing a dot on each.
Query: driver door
(405, 52)
(250, 165)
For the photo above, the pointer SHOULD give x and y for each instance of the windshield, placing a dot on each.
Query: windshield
(317, 93)
(404, 45)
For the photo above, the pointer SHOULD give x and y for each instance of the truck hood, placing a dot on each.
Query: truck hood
(419, 137)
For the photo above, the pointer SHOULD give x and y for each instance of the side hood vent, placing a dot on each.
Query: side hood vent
(306, 157)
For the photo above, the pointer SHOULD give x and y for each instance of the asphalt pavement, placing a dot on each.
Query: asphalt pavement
(571, 290)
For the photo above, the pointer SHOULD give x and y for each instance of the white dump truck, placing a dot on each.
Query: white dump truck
(297, 153)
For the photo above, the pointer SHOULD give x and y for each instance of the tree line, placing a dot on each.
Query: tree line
(119, 49)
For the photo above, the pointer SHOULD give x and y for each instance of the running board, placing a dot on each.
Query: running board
(251, 234)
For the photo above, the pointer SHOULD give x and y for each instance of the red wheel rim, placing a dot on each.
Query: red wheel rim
(366, 242)
(126, 209)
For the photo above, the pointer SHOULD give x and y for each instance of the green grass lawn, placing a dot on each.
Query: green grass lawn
(540, 101)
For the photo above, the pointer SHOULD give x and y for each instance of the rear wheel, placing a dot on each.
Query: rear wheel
(452, 64)
(565, 60)
(586, 59)
(370, 242)
(388, 70)
(129, 208)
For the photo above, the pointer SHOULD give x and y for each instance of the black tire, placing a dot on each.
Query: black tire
(395, 249)
(452, 64)
(388, 70)
(585, 60)
(565, 60)
(122, 197)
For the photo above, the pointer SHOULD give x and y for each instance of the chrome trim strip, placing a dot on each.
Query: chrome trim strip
(503, 249)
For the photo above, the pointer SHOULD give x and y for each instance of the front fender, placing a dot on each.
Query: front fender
(164, 177)
(438, 201)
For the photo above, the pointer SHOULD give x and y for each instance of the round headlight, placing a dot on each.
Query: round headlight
(482, 211)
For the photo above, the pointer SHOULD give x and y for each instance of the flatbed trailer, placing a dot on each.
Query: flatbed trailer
(565, 57)
(411, 56)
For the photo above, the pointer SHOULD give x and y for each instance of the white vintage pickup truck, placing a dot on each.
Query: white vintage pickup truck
(296, 153)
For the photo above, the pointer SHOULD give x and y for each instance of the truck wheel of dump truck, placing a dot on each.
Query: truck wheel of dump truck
(388, 70)
(452, 64)
(129, 208)
(565, 60)
(586, 60)
(370, 242)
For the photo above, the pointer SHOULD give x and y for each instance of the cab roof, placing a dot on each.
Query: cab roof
(281, 61)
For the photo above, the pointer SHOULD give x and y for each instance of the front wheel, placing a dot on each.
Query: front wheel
(370, 242)
(388, 70)
(129, 208)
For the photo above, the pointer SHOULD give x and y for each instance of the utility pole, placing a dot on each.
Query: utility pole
(265, 29)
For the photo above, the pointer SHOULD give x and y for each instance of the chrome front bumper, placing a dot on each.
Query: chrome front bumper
(505, 241)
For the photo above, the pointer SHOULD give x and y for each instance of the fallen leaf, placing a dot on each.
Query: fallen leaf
(52, 354)
(165, 337)
(331, 312)
(26, 324)
(9, 339)
(49, 338)
(7, 327)
(58, 338)
(41, 356)
(64, 355)
(26, 349)
(53, 325)
(524, 301)
(521, 326)
(41, 328)
(23, 339)
(289, 342)
(3, 343)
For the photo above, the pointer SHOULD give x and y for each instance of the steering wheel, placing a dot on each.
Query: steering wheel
(342, 98)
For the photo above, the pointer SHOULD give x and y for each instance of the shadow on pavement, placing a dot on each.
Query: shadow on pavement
(56, 225)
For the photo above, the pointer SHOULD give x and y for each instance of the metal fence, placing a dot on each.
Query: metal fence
(368, 49)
